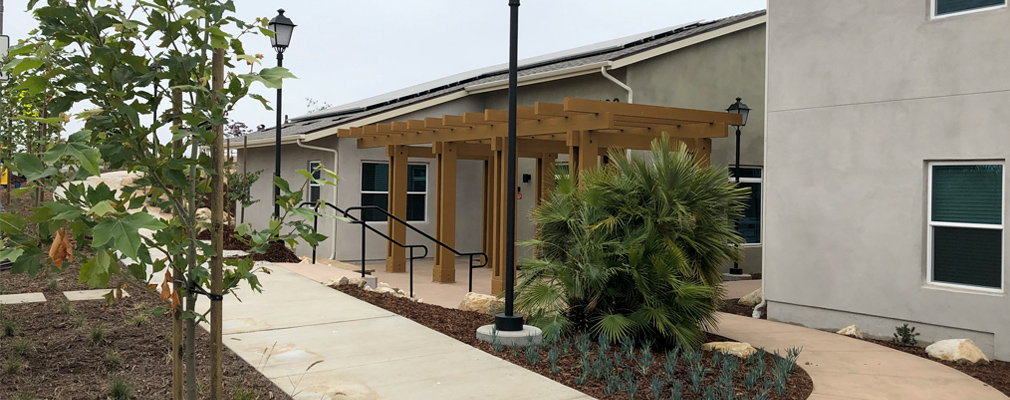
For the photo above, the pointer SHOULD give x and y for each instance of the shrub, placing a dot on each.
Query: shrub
(113, 359)
(97, 334)
(905, 336)
(242, 393)
(65, 308)
(13, 365)
(120, 389)
(138, 320)
(8, 328)
(633, 249)
(22, 346)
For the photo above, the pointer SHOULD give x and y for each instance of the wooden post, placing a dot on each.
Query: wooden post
(445, 225)
(217, 238)
(545, 176)
(487, 210)
(395, 261)
(589, 151)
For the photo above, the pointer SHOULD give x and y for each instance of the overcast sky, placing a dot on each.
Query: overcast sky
(343, 51)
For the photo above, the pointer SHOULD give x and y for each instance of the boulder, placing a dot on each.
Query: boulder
(960, 350)
(851, 330)
(359, 282)
(482, 303)
(390, 291)
(738, 349)
(203, 215)
(752, 299)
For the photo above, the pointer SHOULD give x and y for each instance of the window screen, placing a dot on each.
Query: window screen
(966, 224)
(944, 7)
(375, 190)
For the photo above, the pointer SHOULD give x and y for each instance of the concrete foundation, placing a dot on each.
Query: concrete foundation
(741, 277)
(529, 334)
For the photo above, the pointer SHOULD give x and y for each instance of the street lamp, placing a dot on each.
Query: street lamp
(744, 111)
(282, 28)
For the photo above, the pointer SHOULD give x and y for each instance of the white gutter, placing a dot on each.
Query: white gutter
(631, 95)
(333, 237)
(538, 78)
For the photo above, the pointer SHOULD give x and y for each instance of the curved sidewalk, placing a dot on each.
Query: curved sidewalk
(846, 368)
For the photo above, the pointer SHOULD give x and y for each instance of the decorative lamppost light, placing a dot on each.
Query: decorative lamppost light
(744, 111)
(282, 28)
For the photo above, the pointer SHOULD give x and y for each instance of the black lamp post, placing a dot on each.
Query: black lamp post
(282, 28)
(744, 111)
(510, 321)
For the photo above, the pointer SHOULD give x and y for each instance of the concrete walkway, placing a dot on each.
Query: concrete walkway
(359, 351)
(847, 368)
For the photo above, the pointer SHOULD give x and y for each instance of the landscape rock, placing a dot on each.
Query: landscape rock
(482, 303)
(851, 330)
(959, 350)
(741, 350)
(752, 299)
(359, 282)
(390, 291)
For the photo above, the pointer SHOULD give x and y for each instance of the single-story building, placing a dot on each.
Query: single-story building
(702, 66)
(886, 148)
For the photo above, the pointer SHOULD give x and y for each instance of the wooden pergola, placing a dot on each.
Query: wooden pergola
(584, 129)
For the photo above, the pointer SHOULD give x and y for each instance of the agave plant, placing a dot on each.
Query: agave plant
(633, 249)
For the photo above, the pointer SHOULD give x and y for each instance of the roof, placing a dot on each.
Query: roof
(610, 53)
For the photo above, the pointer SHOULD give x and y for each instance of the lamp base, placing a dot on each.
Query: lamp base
(527, 336)
(736, 271)
(508, 323)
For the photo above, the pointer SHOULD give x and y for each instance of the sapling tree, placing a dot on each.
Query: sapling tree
(113, 52)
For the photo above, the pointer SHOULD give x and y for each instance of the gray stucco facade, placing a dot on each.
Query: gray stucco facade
(863, 96)
(707, 75)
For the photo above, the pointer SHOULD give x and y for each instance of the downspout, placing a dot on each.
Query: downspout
(333, 236)
(631, 95)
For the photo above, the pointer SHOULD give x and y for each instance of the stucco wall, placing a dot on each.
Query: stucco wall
(862, 94)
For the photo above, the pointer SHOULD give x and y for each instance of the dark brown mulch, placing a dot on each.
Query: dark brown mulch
(65, 363)
(277, 252)
(732, 307)
(462, 325)
(995, 373)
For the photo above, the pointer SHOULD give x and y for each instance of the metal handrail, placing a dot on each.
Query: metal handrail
(427, 236)
(364, 225)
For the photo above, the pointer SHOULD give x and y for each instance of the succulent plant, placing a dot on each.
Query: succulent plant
(628, 346)
(677, 391)
(552, 357)
(752, 378)
(515, 348)
(709, 393)
(670, 365)
(604, 342)
(566, 347)
(631, 388)
(495, 341)
(532, 355)
(656, 386)
(695, 374)
(645, 362)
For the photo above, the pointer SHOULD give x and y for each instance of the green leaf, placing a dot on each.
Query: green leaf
(98, 270)
(272, 78)
(19, 65)
(12, 224)
(10, 254)
(130, 113)
(32, 167)
(125, 232)
(102, 208)
(89, 157)
(64, 211)
(28, 262)
(34, 85)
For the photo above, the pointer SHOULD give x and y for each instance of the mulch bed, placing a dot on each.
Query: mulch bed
(63, 361)
(277, 252)
(731, 306)
(462, 325)
(995, 373)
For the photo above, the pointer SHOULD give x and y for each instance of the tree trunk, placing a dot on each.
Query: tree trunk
(177, 356)
(217, 238)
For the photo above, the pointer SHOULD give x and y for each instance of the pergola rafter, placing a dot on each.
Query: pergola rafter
(584, 129)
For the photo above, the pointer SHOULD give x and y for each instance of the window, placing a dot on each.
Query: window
(314, 188)
(750, 225)
(375, 190)
(943, 8)
(965, 232)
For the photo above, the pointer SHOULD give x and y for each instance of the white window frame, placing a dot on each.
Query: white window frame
(930, 225)
(313, 184)
(427, 181)
(933, 15)
(750, 180)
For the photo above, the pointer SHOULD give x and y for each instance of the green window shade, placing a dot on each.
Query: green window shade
(955, 6)
(750, 224)
(375, 177)
(417, 178)
(968, 256)
(415, 207)
(968, 194)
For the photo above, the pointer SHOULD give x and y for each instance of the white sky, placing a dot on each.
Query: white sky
(343, 51)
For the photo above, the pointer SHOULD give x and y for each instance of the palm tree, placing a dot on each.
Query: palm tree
(634, 249)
